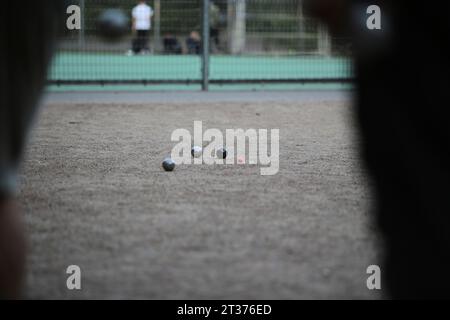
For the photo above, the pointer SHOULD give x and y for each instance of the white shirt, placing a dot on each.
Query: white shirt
(142, 14)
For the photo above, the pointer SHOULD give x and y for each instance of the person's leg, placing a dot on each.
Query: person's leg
(135, 43)
(138, 41)
(145, 40)
(189, 46)
(214, 35)
(27, 39)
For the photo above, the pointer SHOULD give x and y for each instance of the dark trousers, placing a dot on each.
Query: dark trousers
(214, 36)
(193, 46)
(140, 42)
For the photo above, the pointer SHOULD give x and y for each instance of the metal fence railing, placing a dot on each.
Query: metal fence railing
(250, 41)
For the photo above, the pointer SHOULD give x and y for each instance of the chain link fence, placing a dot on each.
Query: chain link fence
(250, 41)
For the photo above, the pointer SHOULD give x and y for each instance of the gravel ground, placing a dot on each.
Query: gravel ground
(95, 195)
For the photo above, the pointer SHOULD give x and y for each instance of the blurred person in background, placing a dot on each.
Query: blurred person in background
(141, 25)
(194, 43)
(171, 44)
(214, 26)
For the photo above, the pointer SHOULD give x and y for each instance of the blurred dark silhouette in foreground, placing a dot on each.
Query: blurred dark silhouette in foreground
(403, 93)
(26, 45)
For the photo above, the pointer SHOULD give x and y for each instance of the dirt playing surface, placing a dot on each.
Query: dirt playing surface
(95, 195)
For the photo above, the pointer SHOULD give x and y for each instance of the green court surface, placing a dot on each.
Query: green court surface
(92, 66)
